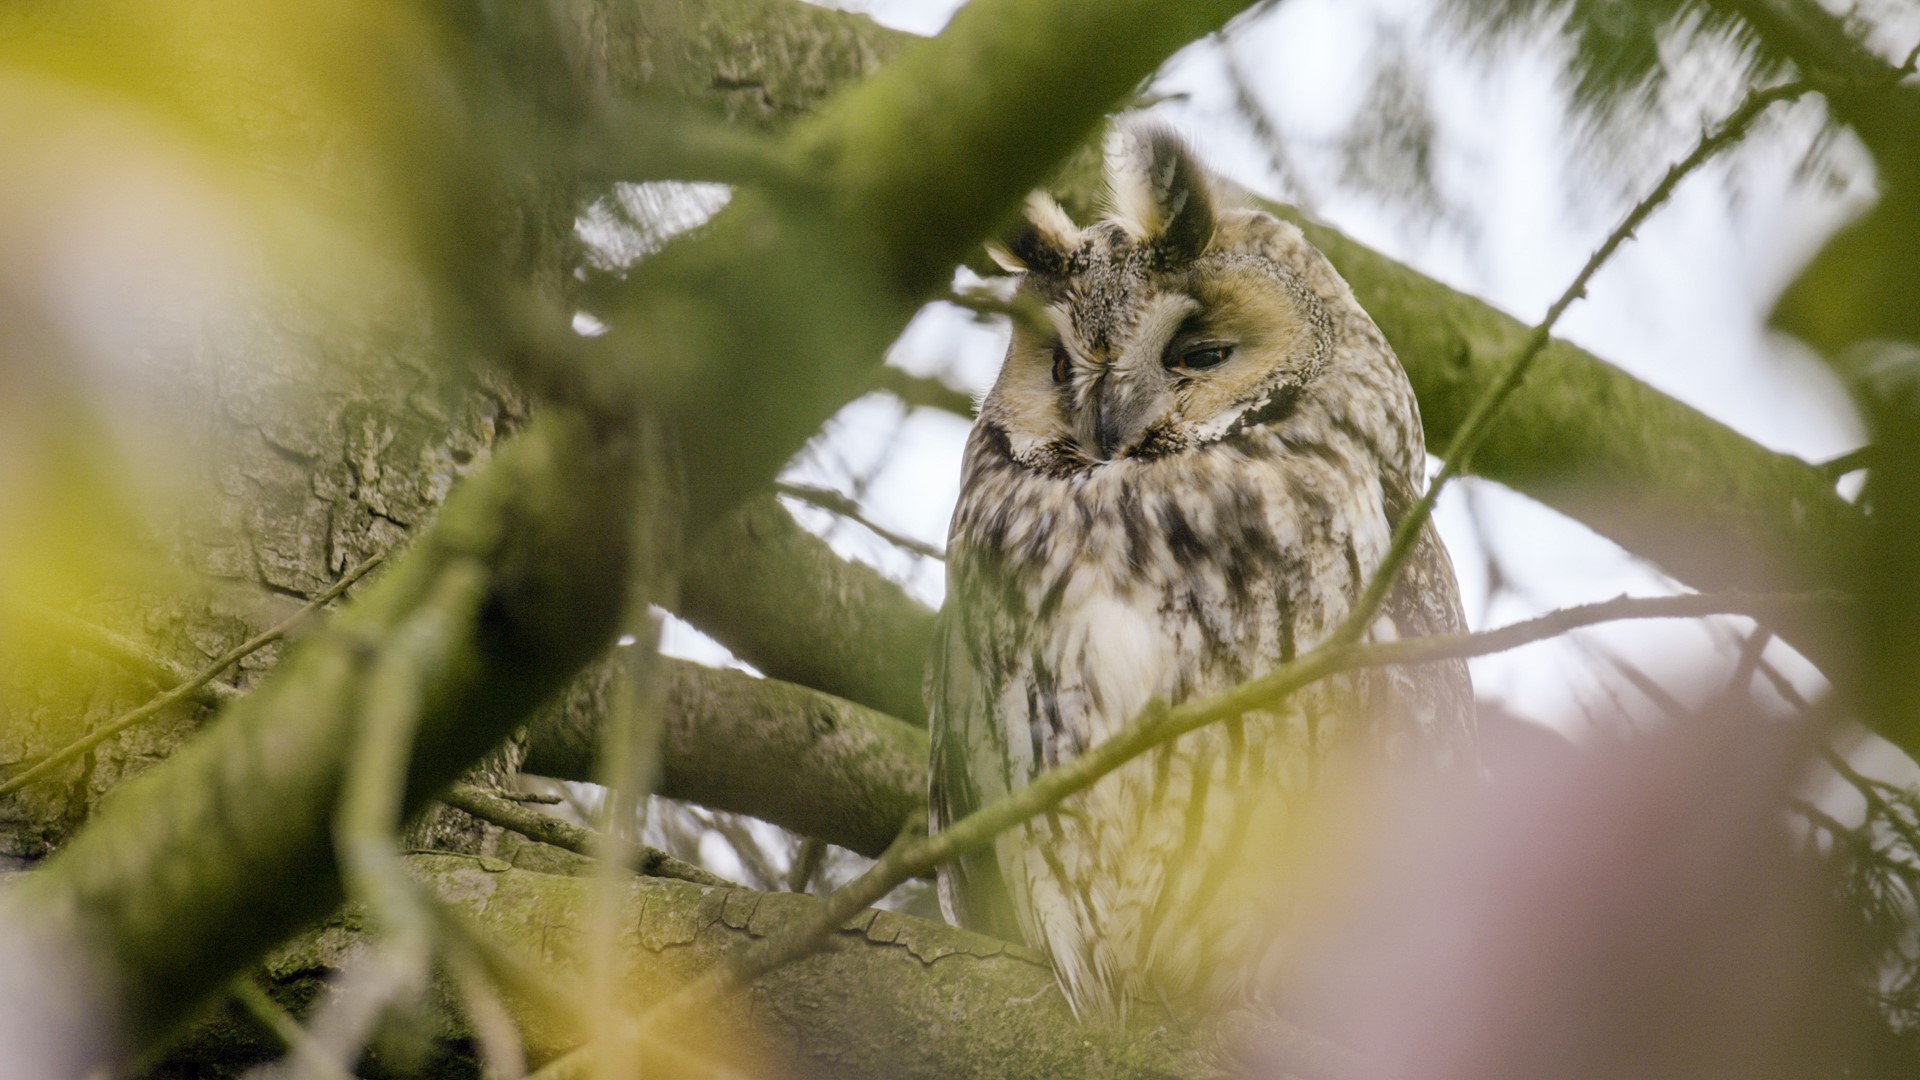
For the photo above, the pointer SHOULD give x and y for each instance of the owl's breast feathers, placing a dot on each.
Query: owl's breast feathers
(1079, 592)
(1179, 482)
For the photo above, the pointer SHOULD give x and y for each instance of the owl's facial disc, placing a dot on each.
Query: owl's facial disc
(1135, 391)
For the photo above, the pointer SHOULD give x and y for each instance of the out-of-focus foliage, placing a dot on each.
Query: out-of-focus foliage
(1642, 74)
(1622, 53)
(1880, 884)
(1390, 149)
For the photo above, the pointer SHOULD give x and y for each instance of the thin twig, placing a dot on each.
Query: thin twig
(1752, 650)
(1158, 724)
(1479, 422)
(913, 855)
(193, 686)
(293, 1038)
(1852, 461)
(806, 863)
(923, 391)
(163, 673)
(835, 503)
(1868, 787)
(1761, 606)
(648, 861)
(802, 938)
(1022, 308)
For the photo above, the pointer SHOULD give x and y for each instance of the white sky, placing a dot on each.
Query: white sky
(1680, 307)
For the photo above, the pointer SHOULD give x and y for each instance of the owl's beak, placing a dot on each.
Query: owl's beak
(1122, 407)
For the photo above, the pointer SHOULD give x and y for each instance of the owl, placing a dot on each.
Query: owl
(1183, 477)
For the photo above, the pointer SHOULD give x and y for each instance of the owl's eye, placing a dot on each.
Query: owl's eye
(1062, 365)
(1198, 357)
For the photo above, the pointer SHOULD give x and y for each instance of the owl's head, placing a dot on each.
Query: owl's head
(1171, 324)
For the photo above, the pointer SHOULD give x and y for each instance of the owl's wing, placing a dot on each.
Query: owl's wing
(967, 771)
(1435, 698)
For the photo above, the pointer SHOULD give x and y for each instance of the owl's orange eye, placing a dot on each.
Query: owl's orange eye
(1062, 365)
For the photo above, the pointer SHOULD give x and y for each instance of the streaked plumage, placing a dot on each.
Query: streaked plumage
(1181, 484)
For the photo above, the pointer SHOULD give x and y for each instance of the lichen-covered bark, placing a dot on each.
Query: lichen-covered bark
(817, 764)
(197, 866)
(314, 449)
(321, 443)
(889, 997)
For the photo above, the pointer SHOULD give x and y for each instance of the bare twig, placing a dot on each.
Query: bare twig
(1479, 421)
(835, 503)
(923, 391)
(804, 936)
(1022, 308)
(912, 856)
(1160, 724)
(307, 1055)
(193, 686)
(1852, 461)
(649, 861)
(1870, 791)
(806, 862)
(135, 657)
(1762, 606)
(370, 812)
(1752, 650)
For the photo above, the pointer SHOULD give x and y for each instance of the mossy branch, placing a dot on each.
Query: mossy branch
(197, 867)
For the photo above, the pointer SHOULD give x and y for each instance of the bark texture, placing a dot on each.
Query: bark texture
(817, 764)
(197, 866)
(780, 598)
(889, 996)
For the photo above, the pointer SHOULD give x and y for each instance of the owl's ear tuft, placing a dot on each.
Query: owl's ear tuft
(1159, 192)
(1045, 243)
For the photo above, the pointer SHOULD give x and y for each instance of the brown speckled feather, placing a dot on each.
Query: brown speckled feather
(1185, 483)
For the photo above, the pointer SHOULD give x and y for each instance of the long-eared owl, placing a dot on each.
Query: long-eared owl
(1183, 479)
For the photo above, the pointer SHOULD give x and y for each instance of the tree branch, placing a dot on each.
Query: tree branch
(846, 774)
(893, 996)
(779, 597)
(200, 865)
(196, 687)
(1479, 421)
(835, 503)
(1580, 436)
(923, 392)
(197, 867)
(547, 829)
